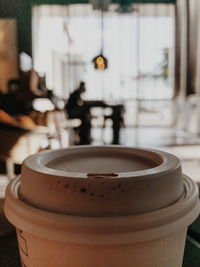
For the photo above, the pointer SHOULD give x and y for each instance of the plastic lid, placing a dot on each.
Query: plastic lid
(101, 180)
(118, 230)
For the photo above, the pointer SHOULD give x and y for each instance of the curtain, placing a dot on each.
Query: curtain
(181, 50)
(139, 46)
(187, 46)
(195, 44)
(187, 67)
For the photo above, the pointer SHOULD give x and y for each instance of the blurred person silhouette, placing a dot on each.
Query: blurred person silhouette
(76, 107)
(12, 102)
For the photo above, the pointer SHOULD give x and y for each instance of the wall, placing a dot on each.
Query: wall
(8, 52)
(20, 9)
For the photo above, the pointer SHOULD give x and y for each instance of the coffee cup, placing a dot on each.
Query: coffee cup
(102, 206)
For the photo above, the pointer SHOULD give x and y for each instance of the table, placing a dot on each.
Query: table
(117, 115)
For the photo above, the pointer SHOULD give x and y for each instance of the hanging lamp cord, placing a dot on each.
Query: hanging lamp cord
(102, 28)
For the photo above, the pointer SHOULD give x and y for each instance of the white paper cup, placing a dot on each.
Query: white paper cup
(141, 235)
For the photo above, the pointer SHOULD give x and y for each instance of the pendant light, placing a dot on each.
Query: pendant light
(100, 61)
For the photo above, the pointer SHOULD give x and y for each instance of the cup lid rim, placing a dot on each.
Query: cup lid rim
(168, 162)
(142, 227)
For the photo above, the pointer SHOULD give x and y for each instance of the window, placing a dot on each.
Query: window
(139, 47)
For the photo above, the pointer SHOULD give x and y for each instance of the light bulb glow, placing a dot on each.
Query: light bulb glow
(100, 60)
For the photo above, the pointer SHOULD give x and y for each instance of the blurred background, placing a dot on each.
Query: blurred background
(99, 72)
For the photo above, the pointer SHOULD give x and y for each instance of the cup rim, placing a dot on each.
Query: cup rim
(84, 229)
(166, 162)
